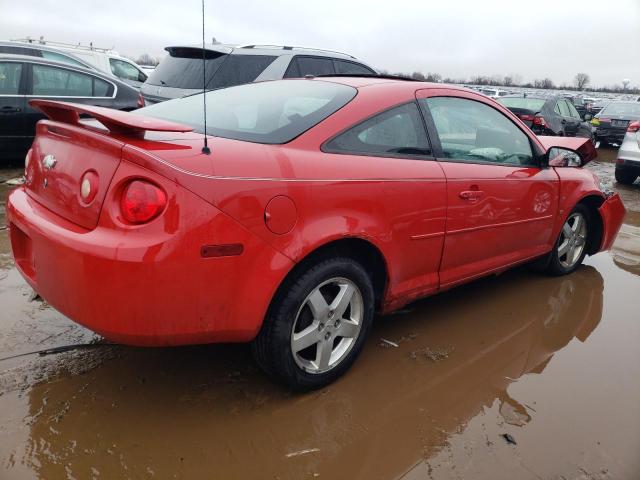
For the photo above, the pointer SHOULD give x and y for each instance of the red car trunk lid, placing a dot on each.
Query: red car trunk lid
(59, 158)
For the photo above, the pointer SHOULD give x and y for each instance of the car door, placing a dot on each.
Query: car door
(582, 129)
(500, 203)
(569, 124)
(13, 138)
(393, 145)
(66, 84)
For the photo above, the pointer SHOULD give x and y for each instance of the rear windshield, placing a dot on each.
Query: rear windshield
(621, 109)
(182, 68)
(533, 104)
(265, 112)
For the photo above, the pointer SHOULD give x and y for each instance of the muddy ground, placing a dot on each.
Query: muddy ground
(518, 376)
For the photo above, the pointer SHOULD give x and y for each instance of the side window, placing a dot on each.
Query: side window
(10, 74)
(564, 108)
(60, 82)
(557, 108)
(314, 66)
(31, 52)
(61, 58)
(398, 131)
(350, 68)
(472, 131)
(572, 111)
(125, 70)
(102, 88)
(239, 69)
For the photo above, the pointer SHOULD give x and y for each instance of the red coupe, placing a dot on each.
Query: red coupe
(320, 202)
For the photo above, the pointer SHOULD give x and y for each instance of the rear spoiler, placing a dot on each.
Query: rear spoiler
(116, 121)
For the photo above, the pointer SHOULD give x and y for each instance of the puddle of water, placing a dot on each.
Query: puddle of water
(553, 362)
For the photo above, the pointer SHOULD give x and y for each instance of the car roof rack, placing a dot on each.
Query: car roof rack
(289, 47)
(79, 46)
(384, 76)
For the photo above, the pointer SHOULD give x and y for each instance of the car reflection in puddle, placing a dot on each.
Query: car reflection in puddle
(187, 411)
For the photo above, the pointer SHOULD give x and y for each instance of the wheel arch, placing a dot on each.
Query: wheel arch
(362, 250)
(593, 203)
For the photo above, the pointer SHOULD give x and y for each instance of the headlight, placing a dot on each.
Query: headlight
(595, 122)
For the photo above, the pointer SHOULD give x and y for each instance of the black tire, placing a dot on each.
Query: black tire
(555, 265)
(625, 177)
(272, 347)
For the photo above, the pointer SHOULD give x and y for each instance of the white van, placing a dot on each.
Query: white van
(103, 59)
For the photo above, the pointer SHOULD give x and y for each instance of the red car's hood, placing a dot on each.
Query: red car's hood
(583, 146)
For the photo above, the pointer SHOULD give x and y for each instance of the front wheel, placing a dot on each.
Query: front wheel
(317, 324)
(570, 248)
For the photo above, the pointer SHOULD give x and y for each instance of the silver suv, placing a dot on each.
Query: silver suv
(180, 73)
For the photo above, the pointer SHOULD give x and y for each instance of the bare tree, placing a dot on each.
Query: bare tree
(581, 80)
(418, 76)
(507, 81)
(433, 77)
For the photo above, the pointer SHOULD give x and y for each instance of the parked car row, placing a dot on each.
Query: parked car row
(102, 59)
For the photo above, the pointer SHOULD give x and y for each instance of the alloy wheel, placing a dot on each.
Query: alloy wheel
(327, 325)
(572, 240)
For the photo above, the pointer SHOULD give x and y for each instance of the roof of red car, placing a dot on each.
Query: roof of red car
(364, 81)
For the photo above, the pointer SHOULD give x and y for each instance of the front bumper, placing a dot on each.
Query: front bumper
(148, 285)
(612, 212)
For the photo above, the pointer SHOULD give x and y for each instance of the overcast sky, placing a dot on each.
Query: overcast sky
(533, 39)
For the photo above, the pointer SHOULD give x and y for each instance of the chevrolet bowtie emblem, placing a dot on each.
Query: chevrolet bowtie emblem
(49, 162)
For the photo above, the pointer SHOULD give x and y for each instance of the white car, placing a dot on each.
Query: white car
(628, 162)
(493, 92)
(103, 59)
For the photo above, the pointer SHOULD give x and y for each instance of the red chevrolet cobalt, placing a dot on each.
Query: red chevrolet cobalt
(317, 203)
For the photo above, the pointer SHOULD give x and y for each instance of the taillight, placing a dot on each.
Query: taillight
(140, 101)
(540, 121)
(142, 201)
(633, 127)
(526, 118)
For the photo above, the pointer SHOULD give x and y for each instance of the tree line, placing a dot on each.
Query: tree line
(581, 81)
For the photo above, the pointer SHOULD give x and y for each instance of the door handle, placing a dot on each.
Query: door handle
(471, 195)
(563, 121)
(10, 110)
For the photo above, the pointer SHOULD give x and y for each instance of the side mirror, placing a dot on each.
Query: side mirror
(563, 157)
(587, 117)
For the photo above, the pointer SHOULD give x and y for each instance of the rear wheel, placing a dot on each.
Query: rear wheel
(625, 177)
(317, 324)
(570, 248)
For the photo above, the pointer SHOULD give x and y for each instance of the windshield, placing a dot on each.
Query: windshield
(533, 104)
(621, 109)
(269, 112)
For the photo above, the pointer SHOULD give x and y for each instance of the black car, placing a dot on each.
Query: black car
(23, 78)
(613, 120)
(552, 115)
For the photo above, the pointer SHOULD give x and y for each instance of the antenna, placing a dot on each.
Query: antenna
(205, 149)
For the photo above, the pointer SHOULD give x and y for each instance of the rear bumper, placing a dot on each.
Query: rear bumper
(149, 285)
(612, 212)
(610, 134)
